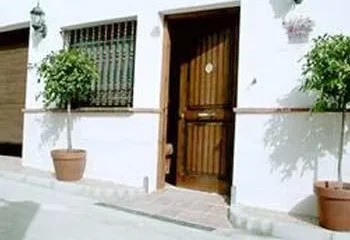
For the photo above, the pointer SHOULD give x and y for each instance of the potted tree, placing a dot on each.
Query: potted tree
(68, 76)
(326, 74)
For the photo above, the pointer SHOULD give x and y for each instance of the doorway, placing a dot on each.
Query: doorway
(13, 74)
(202, 93)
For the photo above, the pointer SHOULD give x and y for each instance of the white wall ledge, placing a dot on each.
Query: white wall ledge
(96, 110)
(272, 110)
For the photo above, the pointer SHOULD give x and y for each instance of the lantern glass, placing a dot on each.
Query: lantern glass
(36, 20)
(37, 17)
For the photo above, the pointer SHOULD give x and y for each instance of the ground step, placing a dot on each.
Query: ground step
(241, 234)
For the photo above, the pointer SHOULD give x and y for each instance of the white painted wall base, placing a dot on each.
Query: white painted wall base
(121, 148)
(279, 156)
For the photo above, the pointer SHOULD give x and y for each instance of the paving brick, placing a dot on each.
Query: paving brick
(170, 212)
(196, 207)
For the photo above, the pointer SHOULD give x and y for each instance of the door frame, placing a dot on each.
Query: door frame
(165, 81)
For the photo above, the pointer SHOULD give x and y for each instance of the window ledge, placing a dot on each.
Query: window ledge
(96, 110)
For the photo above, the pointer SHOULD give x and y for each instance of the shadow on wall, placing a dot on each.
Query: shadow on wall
(15, 218)
(282, 7)
(306, 209)
(52, 125)
(297, 141)
(36, 39)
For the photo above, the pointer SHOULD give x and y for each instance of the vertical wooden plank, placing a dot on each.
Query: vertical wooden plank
(217, 149)
(229, 150)
(226, 74)
(164, 106)
(205, 149)
(213, 89)
(189, 148)
(211, 149)
(220, 80)
(201, 87)
(193, 153)
(196, 150)
(181, 157)
(209, 76)
(192, 82)
(200, 146)
(198, 73)
(181, 148)
(223, 152)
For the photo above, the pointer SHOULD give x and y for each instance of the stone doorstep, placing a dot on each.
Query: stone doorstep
(280, 225)
(95, 189)
(230, 233)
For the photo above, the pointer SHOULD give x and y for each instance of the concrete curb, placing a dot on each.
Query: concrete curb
(77, 188)
(256, 223)
(220, 232)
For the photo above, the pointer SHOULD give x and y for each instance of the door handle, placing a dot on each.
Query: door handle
(206, 115)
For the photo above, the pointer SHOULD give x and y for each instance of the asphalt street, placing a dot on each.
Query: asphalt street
(33, 213)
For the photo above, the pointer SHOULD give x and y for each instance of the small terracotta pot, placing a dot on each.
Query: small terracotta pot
(333, 205)
(69, 165)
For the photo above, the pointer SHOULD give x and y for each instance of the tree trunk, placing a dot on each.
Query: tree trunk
(69, 127)
(341, 149)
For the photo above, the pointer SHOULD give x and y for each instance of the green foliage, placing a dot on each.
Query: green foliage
(327, 72)
(68, 75)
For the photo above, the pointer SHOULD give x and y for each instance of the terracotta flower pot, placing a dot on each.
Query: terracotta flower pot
(333, 205)
(69, 166)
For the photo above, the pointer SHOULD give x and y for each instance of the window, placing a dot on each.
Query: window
(113, 48)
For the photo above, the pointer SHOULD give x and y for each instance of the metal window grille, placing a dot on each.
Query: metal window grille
(113, 48)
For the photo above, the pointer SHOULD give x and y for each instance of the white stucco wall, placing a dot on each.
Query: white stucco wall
(122, 148)
(278, 156)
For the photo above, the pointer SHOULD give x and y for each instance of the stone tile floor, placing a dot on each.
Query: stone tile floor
(206, 210)
(201, 208)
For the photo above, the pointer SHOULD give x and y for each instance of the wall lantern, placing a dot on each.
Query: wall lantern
(38, 22)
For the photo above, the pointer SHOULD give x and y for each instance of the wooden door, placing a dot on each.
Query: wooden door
(205, 117)
(13, 71)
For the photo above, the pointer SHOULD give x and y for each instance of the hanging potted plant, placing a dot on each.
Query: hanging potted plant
(68, 76)
(298, 28)
(327, 75)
